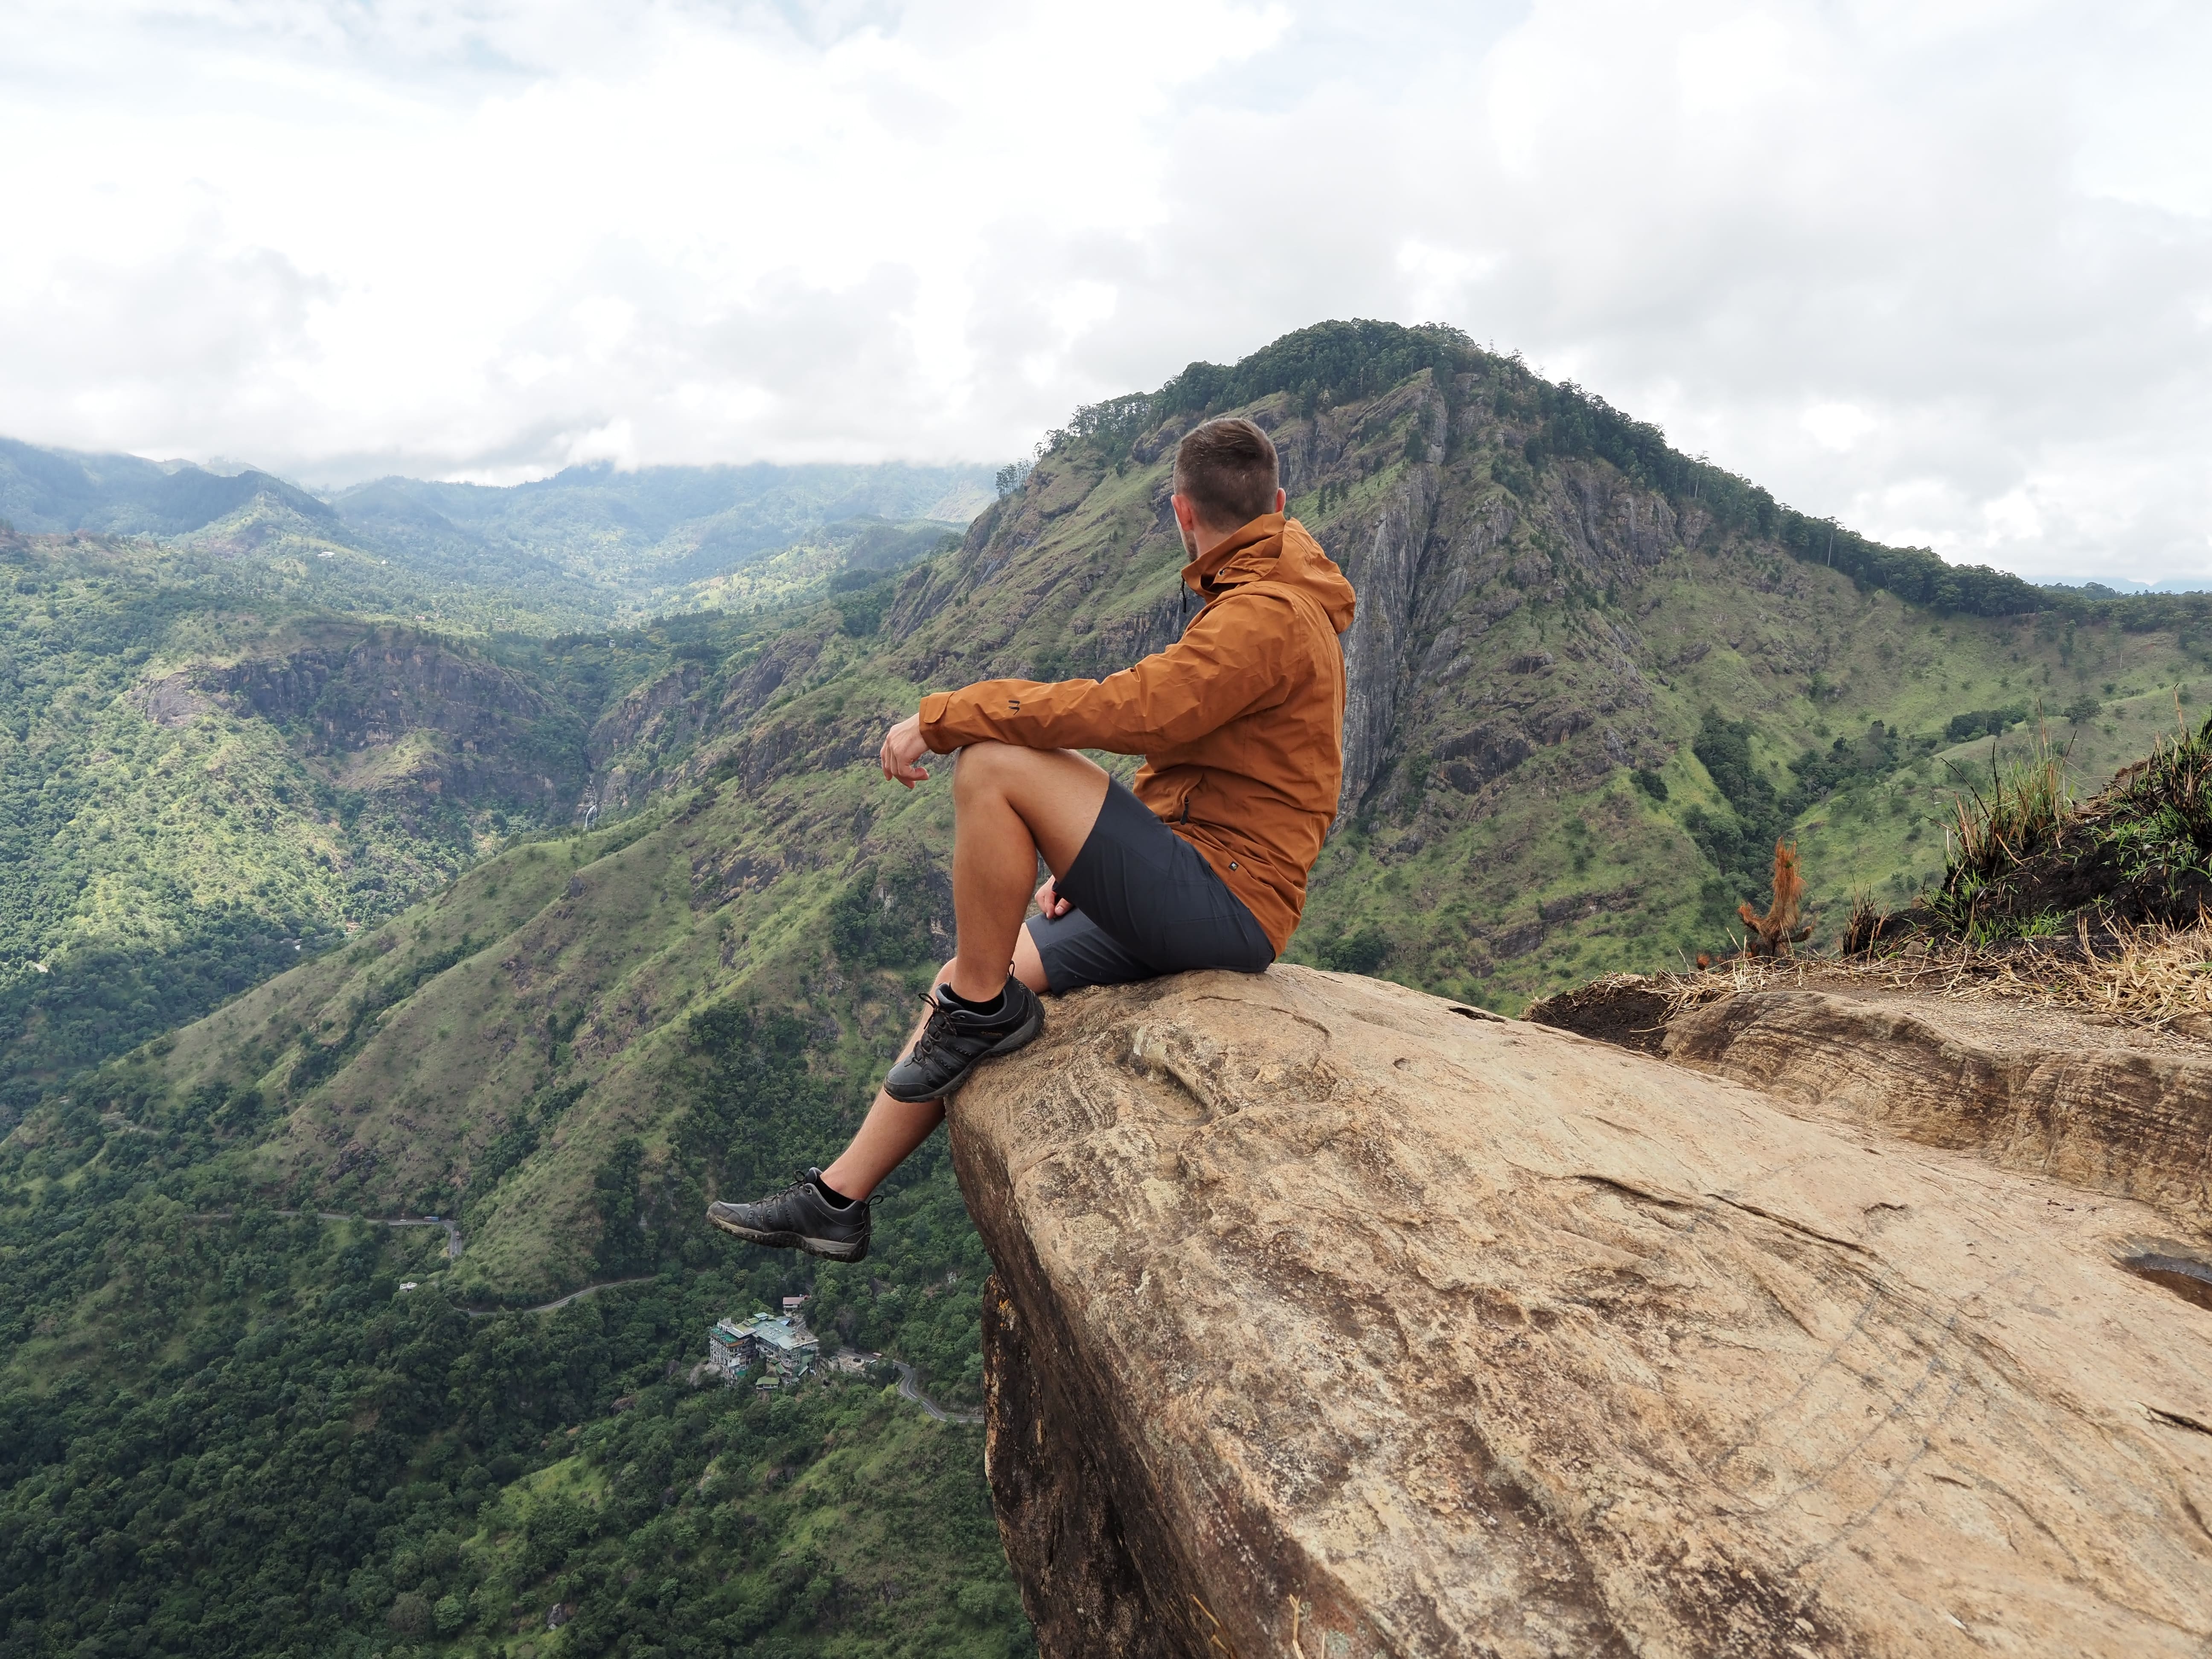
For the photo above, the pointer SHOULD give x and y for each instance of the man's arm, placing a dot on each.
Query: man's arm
(1227, 664)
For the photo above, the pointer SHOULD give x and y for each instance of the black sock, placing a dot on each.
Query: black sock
(997, 1005)
(830, 1196)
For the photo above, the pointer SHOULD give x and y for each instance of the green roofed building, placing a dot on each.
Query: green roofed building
(784, 1344)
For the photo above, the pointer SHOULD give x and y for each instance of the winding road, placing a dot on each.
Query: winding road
(558, 1301)
(452, 1254)
(908, 1391)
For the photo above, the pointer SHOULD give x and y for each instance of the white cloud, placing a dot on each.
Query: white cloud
(1942, 270)
(1837, 426)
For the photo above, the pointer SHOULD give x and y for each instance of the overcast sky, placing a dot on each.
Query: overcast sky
(1942, 270)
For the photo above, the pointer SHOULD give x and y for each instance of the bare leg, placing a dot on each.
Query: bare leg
(1011, 805)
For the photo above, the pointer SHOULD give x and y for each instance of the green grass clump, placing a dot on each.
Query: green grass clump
(2158, 826)
(2028, 811)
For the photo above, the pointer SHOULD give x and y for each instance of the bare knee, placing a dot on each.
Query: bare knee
(987, 766)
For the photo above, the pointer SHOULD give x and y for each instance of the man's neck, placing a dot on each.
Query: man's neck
(1207, 539)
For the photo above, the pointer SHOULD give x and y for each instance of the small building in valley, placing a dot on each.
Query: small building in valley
(788, 1346)
(783, 1345)
(731, 1350)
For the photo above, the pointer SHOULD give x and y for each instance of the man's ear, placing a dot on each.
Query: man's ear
(1282, 499)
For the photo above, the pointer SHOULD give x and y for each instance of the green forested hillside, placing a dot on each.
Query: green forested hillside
(211, 768)
(642, 539)
(590, 545)
(215, 761)
(1591, 682)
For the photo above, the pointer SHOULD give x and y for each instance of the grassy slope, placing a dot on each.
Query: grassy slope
(1574, 881)
(818, 558)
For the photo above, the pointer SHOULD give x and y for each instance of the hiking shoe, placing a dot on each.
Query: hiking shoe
(799, 1218)
(955, 1038)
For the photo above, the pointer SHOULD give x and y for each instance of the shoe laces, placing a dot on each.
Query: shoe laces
(934, 1030)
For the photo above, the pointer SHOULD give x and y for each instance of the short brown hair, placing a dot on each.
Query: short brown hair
(1228, 469)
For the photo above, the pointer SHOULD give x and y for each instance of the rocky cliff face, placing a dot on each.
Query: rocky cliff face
(395, 711)
(1335, 1319)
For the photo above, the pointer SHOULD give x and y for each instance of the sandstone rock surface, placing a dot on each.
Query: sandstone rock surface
(2115, 1109)
(1332, 1321)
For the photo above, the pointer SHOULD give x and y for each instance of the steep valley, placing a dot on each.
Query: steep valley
(1591, 682)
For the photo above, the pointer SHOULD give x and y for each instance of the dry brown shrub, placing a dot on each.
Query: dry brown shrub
(1773, 933)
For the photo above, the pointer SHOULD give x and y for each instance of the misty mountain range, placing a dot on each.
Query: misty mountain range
(627, 539)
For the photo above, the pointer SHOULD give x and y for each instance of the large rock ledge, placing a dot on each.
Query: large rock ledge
(2114, 1109)
(1332, 1321)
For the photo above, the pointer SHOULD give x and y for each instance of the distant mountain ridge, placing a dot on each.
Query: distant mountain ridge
(649, 533)
(46, 490)
(620, 542)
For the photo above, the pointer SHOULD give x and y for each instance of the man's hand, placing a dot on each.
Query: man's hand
(1049, 904)
(902, 748)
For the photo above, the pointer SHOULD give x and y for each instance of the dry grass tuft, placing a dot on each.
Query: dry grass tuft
(2157, 978)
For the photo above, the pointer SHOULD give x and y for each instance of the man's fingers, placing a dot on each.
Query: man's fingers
(904, 747)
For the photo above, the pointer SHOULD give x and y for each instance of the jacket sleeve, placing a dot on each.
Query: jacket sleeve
(1228, 663)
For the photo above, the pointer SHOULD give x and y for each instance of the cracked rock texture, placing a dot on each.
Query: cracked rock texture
(1331, 1319)
(2114, 1109)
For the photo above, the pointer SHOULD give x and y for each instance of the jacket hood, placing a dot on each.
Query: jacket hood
(1276, 549)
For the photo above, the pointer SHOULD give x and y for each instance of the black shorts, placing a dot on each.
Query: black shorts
(1146, 904)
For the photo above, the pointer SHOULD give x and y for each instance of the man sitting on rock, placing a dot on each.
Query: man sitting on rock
(1204, 865)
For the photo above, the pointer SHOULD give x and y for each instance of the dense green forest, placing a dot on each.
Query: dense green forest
(273, 1450)
(235, 1433)
(173, 829)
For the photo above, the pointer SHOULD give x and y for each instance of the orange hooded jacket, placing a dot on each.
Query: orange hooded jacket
(1241, 722)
